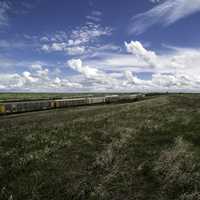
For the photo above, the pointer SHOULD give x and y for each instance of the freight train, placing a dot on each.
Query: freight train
(20, 107)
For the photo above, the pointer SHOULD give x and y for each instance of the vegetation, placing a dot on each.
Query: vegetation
(136, 151)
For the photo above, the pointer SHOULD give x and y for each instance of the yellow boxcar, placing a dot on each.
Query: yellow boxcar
(2, 108)
(53, 104)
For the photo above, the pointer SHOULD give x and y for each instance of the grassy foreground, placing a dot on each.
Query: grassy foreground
(148, 150)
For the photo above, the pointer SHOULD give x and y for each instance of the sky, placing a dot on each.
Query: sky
(99, 46)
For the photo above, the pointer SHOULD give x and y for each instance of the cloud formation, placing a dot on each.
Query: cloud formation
(38, 78)
(91, 73)
(165, 13)
(77, 42)
(176, 70)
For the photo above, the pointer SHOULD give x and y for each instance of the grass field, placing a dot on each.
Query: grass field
(148, 150)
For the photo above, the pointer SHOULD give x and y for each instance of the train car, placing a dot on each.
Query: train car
(70, 102)
(112, 99)
(10, 107)
(17, 107)
(2, 109)
(96, 100)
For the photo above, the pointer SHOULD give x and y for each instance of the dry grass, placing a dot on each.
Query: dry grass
(137, 151)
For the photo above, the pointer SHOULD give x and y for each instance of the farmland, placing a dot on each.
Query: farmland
(135, 151)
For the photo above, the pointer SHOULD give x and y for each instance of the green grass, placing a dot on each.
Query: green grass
(142, 150)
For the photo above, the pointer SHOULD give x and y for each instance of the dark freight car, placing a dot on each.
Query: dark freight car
(16, 107)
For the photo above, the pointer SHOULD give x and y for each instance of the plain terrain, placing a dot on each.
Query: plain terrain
(137, 151)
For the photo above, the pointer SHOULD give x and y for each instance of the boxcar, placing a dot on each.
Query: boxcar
(112, 99)
(16, 107)
(70, 102)
(9, 107)
(2, 109)
(96, 100)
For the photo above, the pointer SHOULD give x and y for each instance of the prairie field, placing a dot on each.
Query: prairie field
(146, 150)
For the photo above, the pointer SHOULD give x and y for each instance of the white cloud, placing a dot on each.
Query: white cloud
(165, 13)
(175, 70)
(39, 81)
(99, 80)
(95, 79)
(43, 73)
(175, 61)
(178, 70)
(36, 66)
(88, 72)
(88, 33)
(77, 50)
(29, 77)
(139, 51)
(58, 46)
(77, 42)
(45, 48)
(63, 47)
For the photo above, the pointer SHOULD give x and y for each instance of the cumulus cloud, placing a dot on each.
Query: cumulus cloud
(131, 78)
(89, 72)
(138, 50)
(165, 13)
(174, 70)
(28, 77)
(178, 60)
(177, 70)
(38, 79)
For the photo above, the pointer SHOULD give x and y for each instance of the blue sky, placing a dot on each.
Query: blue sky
(99, 45)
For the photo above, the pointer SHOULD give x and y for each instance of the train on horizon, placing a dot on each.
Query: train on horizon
(28, 106)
